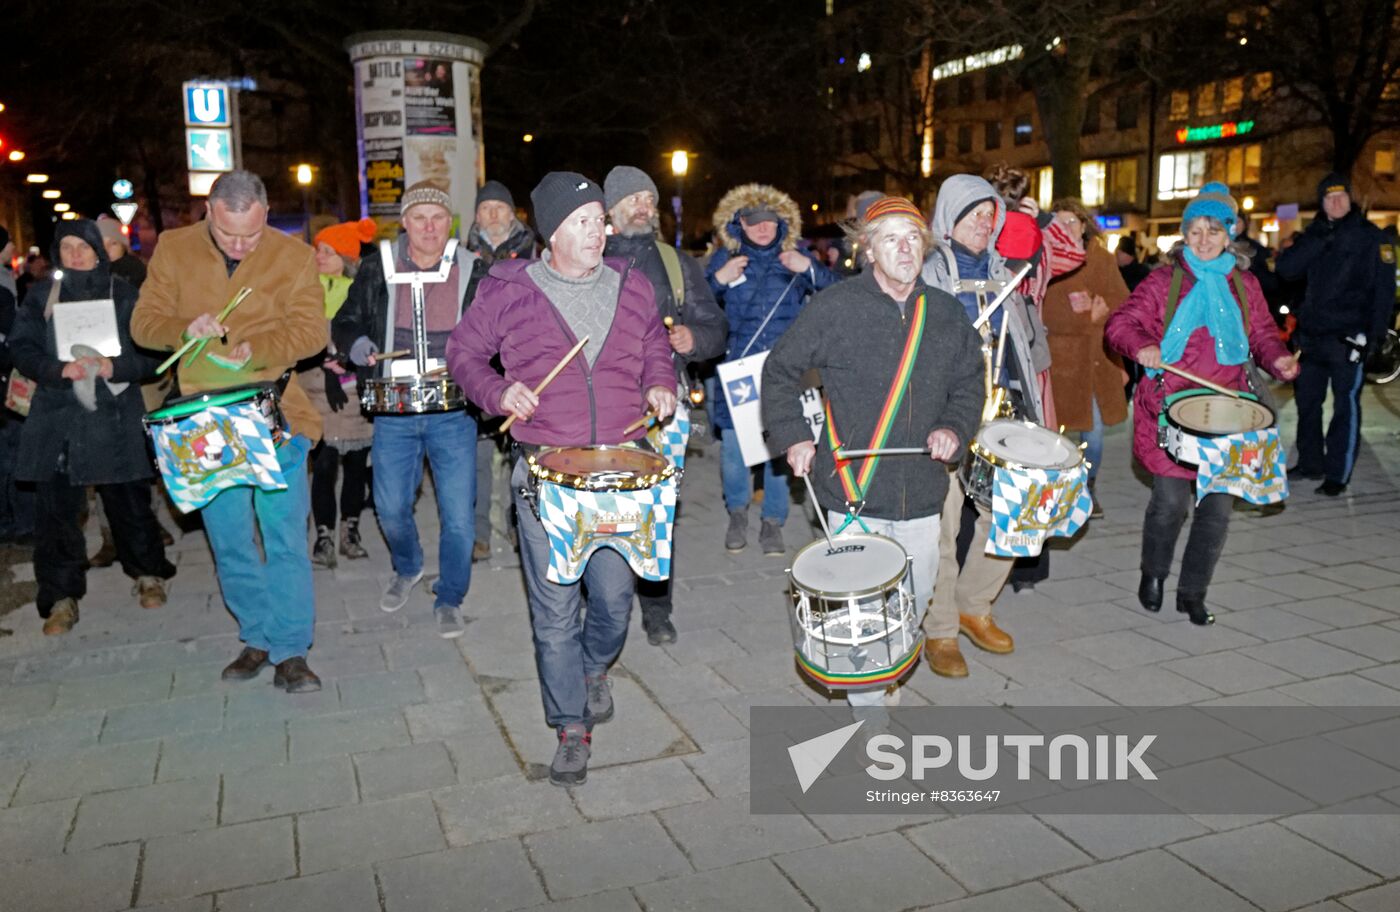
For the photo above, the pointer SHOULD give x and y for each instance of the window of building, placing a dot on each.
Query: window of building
(1091, 116)
(1233, 94)
(1092, 176)
(965, 88)
(1126, 115)
(1180, 174)
(1206, 105)
(1385, 161)
(940, 145)
(1023, 130)
(991, 85)
(942, 93)
(1045, 187)
(1261, 86)
(1253, 164)
(991, 136)
(1181, 105)
(964, 139)
(1122, 181)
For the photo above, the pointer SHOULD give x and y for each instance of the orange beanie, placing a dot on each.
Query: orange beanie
(347, 237)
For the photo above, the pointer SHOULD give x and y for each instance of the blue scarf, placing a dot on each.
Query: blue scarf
(1209, 304)
(975, 266)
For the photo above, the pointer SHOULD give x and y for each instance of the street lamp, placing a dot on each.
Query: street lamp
(680, 164)
(36, 178)
(51, 194)
(305, 175)
(16, 155)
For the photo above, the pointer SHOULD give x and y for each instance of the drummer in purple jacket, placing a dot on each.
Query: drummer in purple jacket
(531, 313)
(1212, 334)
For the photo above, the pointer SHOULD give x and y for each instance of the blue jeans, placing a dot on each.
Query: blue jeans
(448, 439)
(737, 481)
(569, 647)
(1093, 438)
(272, 598)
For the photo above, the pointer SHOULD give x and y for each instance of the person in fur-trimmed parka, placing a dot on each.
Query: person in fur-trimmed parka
(761, 280)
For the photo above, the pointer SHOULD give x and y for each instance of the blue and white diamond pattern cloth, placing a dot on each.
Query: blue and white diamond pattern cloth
(209, 451)
(670, 439)
(636, 524)
(1031, 505)
(1249, 465)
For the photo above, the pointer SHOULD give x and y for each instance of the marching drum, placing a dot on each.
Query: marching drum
(257, 401)
(1191, 415)
(854, 622)
(601, 468)
(1015, 446)
(413, 395)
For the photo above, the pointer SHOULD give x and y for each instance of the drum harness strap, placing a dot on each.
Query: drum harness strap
(855, 488)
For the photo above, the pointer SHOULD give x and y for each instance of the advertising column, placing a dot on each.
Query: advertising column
(418, 108)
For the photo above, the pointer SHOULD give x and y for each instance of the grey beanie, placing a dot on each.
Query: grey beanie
(556, 197)
(495, 190)
(623, 181)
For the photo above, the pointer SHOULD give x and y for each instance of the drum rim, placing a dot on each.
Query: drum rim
(976, 449)
(541, 473)
(853, 593)
(1186, 395)
(836, 680)
(198, 402)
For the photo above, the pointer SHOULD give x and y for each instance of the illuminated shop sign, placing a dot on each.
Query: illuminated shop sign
(973, 62)
(1215, 131)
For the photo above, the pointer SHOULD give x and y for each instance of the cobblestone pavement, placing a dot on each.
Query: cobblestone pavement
(131, 777)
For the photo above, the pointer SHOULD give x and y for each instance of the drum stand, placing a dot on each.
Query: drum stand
(416, 280)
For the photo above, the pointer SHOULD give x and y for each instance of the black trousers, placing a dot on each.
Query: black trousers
(1166, 511)
(654, 597)
(1325, 363)
(60, 552)
(325, 465)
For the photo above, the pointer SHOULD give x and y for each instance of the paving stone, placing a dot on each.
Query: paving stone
(351, 890)
(1115, 835)
(1240, 596)
(36, 830)
(1343, 690)
(1269, 623)
(1384, 898)
(1122, 649)
(1032, 897)
(687, 684)
(229, 751)
(1229, 672)
(497, 874)
(986, 851)
(612, 901)
(1272, 563)
(1355, 576)
(169, 717)
(708, 722)
(1304, 585)
(722, 832)
(1272, 867)
(1146, 687)
(402, 770)
(11, 770)
(387, 688)
(366, 833)
(1049, 664)
(218, 859)
(51, 734)
(1336, 611)
(636, 788)
(346, 733)
(1367, 834)
(96, 881)
(723, 767)
(198, 904)
(1151, 881)
(879, 872)
(1389, 675)
(1372, 641)
(114, 690)
(1066, 694)
(259, 703)
(1076, 592)
(607, 855)
(498, 808)
(482, 754)
(98, 769)
(1307, 657)
(437, 720)
(742, 888)
(697, 647)
(420, 652)
(27, 702)
(146, 812)
(271, 791)
(1386, 599)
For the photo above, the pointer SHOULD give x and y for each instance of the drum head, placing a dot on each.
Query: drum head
(610, 460)
(1020, 443)
(1213, 414)
(197, 402)
(859, 564)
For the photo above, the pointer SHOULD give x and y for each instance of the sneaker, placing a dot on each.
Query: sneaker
(737, 535)
(659, 629)
(396, 596)
(770, 538)
(600, 701)
(450, 622)
(570, 766)
(150, 591)
(62, 618)
(323, 552)
(350, 546)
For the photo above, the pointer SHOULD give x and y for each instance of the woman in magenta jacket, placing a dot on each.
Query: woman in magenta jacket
(1209, 337)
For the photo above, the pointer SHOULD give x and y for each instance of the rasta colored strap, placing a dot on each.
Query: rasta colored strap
(855, 486)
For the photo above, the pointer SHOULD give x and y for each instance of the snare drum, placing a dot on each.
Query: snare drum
(854, 622)
(1015, 446)
(257, 401)
(601, 468)
(1193, 414)
(411, 395)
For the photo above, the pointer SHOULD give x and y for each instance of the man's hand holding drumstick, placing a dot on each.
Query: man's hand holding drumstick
(520, 402)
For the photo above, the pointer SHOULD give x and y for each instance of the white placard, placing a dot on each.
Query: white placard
(740, 383)
(408, 367)
(90, 323)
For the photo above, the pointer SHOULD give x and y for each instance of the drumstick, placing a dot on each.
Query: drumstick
(436, 371)
(639, 422)
(180, 352)
(669, 321)
(396, 353)
(549, 377)
(843, 453)
(1201, 381)
(816, 504)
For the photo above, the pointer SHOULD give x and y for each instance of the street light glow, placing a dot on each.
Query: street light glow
(61, 207)
(304, 175)
(16, 155)
(528, 137)
(69, 216)
(36, 178)
(52, 194)
(680, 162)
(1247, 204)
(863, 63)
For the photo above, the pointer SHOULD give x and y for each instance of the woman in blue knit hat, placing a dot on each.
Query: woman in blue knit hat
(1212, 334)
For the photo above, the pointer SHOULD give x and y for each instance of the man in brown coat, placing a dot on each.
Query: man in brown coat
(196, 270)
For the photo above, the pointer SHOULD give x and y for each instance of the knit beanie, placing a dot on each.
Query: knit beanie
(1332, 183)
(1214, 201)
(893, 205)
(495, 190)
(421, 193)
(623, 181)
(557, 196)
(347, 237)
(111, 231)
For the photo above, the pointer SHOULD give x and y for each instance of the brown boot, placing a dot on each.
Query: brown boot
(150, 591)
(61, 618)
(983, 631)
(294, 676)
(945, 658)
(249, 662)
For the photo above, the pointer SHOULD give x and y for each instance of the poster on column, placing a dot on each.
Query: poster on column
(381, 124)
(430, 121)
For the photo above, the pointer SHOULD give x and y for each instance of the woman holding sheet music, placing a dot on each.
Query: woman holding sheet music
(84, 425)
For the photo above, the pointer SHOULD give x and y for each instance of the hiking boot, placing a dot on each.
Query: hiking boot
(295, 676)
(450, 622)
(945, 658)
(570, 766)
(150, 591)
(736, 537)
(984, 632)
(350, 540)
(600, 701)
(770, 538)
(323, 552)
(106, 555)
(61, 618)
(396, 595)
(249, 662)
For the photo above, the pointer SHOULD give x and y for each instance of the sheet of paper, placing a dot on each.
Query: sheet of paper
(91, 323)
(408, 367)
